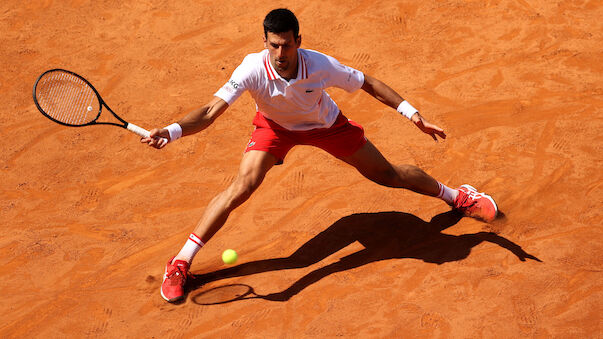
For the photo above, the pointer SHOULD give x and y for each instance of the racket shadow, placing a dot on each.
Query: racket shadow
(384, 235)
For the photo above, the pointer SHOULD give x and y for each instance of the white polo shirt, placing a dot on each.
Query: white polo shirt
(299, 104)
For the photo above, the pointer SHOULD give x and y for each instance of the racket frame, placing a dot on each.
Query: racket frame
(124, 124)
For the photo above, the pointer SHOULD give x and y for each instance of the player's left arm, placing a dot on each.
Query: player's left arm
(391, 98)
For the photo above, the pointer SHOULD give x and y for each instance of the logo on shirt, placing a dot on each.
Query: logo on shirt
(228, 89)
(309, 90)
(233, 84)
(352, 72)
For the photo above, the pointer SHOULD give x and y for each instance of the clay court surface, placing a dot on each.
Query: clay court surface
(89, 216)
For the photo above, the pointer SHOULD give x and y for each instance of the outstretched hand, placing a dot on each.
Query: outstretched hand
(427, 127)
(158, 138)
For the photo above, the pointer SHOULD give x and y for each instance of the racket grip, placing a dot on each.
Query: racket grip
(143, 132)
(138, 130)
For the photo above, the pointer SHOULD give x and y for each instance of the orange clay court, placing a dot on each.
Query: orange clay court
(89, 215)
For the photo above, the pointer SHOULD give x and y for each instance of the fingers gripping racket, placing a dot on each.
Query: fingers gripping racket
(68, 99)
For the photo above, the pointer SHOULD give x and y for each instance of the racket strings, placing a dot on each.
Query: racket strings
(67, 98)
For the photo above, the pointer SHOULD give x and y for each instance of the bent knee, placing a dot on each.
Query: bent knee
(409, 171)
(241, 189)
(397, 176)
(245, 186)
(390, 176)
(387, 176)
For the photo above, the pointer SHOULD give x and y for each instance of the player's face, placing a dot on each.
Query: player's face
(283, 52)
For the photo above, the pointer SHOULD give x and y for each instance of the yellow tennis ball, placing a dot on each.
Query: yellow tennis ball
(229, 256)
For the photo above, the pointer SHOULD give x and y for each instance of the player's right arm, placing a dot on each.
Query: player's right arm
(201, 118)
(194, 122)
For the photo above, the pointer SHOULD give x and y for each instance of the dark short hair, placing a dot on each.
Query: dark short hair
(281, 20)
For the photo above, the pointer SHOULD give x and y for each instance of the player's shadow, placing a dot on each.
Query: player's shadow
(384, 235)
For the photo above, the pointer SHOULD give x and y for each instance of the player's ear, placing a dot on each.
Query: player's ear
(298, 41)
(265, 42)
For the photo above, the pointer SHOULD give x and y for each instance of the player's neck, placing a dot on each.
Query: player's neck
(290, 73)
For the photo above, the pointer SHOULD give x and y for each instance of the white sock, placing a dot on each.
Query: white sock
(447, 194)
(190, 248)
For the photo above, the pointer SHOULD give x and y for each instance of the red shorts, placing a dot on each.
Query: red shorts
(344, 138)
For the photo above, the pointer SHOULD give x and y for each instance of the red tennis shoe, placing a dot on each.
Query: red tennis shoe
(474, 204)
(174, 279)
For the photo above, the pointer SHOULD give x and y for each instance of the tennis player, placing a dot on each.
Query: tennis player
(288, 85)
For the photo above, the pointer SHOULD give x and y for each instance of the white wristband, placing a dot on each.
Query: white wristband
(175, 131)
(406, 109)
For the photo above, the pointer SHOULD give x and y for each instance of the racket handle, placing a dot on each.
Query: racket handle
(138, 130)
(143, 132)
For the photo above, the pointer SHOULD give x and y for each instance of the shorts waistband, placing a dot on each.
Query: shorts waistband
(261, 121)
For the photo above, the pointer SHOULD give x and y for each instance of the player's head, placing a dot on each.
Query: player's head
(282, 39)
(281, 20)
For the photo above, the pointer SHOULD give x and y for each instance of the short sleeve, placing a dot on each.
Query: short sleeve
(343, 76)
(240, 80)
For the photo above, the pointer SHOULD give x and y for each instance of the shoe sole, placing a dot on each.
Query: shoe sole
(168, 299)
(471, 188)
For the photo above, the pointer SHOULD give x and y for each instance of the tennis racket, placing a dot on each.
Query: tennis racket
(68, 99)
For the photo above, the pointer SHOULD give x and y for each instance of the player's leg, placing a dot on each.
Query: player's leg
(346, 140)
(253, 169)
(374, 166)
